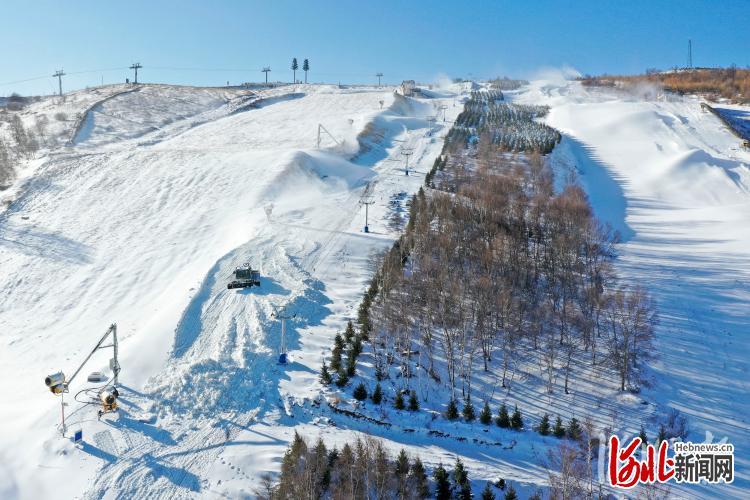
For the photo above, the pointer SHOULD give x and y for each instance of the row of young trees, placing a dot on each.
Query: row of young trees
(511, 126)
(365, 469)
(496, 268)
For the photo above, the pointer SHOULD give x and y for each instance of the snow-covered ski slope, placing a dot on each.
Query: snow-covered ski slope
(140, 221)
(674, 181)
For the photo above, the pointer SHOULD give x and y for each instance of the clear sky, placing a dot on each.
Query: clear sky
(212, 42)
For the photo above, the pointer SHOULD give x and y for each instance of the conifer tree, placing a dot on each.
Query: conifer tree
(402, 463)
(357, 346)
(485, 416)
(516, 422)
(377, 394)
(544, 428)
(451, 413)
(295, 66)
(349, 332)
(558, 430)
(511, 493)
(642, 435)
(413, 401)
(305, 67)
(487, 493)
(574, 429)
(418, 479)
(461, 480)
(342, 378)
(325, 375)
(468, 410)
(351, 363)
(503, 420)
(399, 401)
(442, 483)
(338, 341)
(360, 392)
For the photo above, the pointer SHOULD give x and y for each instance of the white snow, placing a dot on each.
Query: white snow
(164, 190)
(676, 184)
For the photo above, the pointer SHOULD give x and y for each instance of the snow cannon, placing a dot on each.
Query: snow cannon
(245, 277)
(56, 382)
(108, 400)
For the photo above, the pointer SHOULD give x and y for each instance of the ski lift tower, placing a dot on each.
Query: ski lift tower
(282, 348)
(407, 153)
(367, 204)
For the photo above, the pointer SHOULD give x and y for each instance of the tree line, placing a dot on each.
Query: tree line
(364, 469)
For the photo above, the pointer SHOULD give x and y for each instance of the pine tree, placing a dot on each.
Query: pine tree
(442, 483)
(399, 402)
(336, 359)
(558, 430)
(642, 435)
(451, 413)
(487, 493)
(468, 411)
(574, 429)
(325, 375)
(305, 68)
(536, 496)
(342, 378)
(511, 493)
(503, 420)
(294, 68)
(351, 363)
(485, 416)
(461, 480)
(402, 463)
(418, 479)
(544, 426)
(360, 392)
(516, 422)
(377, 394)
(357, 346)
(413, 401)
(338, 341)
(349, 332)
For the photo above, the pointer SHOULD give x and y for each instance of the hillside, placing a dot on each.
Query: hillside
(140, 209)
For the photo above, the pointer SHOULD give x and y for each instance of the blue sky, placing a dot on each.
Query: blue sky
(196, 42)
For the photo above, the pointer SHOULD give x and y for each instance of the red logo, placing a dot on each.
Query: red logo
(625, 471)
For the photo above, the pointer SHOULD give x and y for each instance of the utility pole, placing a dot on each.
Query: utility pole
(135, 67)
(690, 54)
(59, 74)
(283, 317)
(407, 153)
(379, 75)
(266, 70)
(367, 206)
